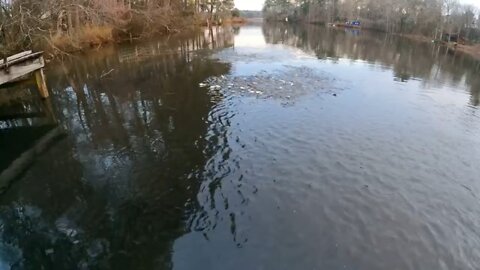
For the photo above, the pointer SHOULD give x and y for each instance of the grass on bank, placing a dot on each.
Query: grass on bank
(89, 36)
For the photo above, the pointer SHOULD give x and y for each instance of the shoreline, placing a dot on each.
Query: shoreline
(414, 37)
(470, 50)
(55, 51)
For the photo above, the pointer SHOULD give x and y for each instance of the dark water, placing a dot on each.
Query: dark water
(255, 148)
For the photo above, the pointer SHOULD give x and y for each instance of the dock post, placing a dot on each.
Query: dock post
(48, 108)
(18, 66)
(41, 83)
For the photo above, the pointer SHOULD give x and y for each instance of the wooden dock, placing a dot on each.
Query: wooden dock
(21, 66)
(13, 70)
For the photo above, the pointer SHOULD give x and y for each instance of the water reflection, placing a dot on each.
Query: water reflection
(25, 120)
(159, 171)
(410, 60)
(123, 183)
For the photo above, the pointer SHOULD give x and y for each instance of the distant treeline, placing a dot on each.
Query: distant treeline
(432, 18)
(70, 25)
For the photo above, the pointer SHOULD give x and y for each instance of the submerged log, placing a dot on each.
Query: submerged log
(19, 165)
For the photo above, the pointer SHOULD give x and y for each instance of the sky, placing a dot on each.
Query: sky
(258, 4)
(251, 4)
(470, 2)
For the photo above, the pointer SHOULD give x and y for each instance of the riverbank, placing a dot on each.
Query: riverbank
(416, 37)
(471, 50)
(62, 28)
(97, 37)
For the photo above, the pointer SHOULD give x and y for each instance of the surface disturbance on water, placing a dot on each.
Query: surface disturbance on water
(261, 147)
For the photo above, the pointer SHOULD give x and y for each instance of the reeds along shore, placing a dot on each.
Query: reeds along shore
(67, 26)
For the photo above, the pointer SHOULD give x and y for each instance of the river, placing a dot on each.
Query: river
(260, 147)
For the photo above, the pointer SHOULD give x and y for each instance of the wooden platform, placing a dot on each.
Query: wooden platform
(22, 65)
(21, 145)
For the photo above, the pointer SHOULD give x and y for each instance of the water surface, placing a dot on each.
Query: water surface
(267, 147)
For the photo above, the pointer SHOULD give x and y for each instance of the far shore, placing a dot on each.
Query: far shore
(472, 50)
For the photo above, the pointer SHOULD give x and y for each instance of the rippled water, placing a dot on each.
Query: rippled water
(256, 148)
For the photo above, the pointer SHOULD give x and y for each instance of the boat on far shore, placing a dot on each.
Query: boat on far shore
(347, 24)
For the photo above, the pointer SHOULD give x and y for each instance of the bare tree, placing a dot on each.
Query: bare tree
(431, 18)
(76, 24)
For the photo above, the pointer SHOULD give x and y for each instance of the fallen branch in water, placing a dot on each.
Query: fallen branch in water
(106, 73)
(18, 166)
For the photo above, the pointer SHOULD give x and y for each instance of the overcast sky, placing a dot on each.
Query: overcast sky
(258, 4)
(470, 2)
(250, 4)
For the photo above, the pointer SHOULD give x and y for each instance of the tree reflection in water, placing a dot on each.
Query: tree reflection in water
(433, 64)
(119, 189)
(152, 156)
